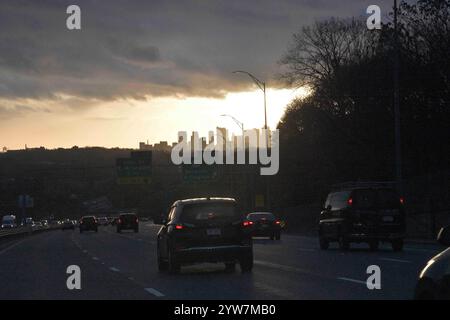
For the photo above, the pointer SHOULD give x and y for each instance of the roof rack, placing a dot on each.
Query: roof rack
(362, 184)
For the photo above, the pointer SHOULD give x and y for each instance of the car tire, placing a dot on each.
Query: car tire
(344, 244)
(96, 229)
(373, 245)
(230, 267)
(119, 231)
(278, 236)
(173, 265)
(397, 245)
(246, 263)
(324, 244)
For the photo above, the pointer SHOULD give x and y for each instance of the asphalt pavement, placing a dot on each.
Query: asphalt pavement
(123, 266)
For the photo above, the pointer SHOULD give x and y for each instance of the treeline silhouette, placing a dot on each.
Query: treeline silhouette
(345, 129)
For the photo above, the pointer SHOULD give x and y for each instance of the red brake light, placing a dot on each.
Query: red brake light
(402, 200)
(119, 221)
(350, 201)
(179, 227)
(247, 223)
(277, 222)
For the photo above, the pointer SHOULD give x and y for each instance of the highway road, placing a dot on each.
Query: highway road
(123, 266)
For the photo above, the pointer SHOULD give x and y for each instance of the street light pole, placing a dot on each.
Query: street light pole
(261, 85)
(398, 153)
(239, 123)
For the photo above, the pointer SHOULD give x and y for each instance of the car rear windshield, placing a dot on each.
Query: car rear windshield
(375, 198)
(261, 216)
(128, 217)
(201, 213)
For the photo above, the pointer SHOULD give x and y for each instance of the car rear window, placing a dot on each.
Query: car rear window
(259, 216)
(375, 198)
(205, 212)
(128, 217)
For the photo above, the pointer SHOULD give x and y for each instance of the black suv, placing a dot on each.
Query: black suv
(205, 230)
(363, 212)
(88, 223)
(127, 221)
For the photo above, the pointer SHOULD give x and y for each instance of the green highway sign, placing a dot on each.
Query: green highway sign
(199, 172)
(135, 170)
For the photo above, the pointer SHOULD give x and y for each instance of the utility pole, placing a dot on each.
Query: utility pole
(398, 148)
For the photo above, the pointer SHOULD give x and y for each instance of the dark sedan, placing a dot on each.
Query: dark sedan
(265, 224)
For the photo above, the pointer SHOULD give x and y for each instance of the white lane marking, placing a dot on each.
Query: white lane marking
(395, 260)
(95, 258)
(352, 280)
(12, 246)
(287, 268)
(154, 292)
(114, 269)
(85, 251)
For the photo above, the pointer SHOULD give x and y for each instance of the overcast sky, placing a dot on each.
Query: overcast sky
(140, 65)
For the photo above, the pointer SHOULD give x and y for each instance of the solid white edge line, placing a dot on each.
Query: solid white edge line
(352, 280)
(154, 292)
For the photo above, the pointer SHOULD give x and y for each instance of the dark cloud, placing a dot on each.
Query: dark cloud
(133, 49)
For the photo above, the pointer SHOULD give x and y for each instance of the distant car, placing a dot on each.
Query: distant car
(88, 223)
(28, 221)
(265, 224)
(127, 221)
(204, 230)
(363, 212)
(67, 225)
(44, 223)
(434, 280)
(9, 222)
(38, 225)
(102, 221)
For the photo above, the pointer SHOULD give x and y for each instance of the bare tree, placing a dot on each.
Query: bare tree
(318, 51)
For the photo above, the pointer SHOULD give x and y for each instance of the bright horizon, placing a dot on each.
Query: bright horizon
(129, 122)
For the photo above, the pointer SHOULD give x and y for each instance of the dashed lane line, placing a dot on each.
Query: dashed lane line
(352, 280)
(154, 292)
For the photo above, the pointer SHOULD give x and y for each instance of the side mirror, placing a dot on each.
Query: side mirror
(444, 236)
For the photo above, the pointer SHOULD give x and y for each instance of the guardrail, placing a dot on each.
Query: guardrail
(6, 233)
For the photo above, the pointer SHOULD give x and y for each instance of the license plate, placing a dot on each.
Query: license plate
(213, 232)
(388, 219)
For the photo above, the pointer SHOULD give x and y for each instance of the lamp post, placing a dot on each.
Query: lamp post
(239, 123)
(261, 85)
(398, 152)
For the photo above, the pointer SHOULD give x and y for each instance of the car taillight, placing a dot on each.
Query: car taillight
(179, 227)
(350, 201)
(247, 223)
(119, 221)
(402, 200)
(278, 222)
